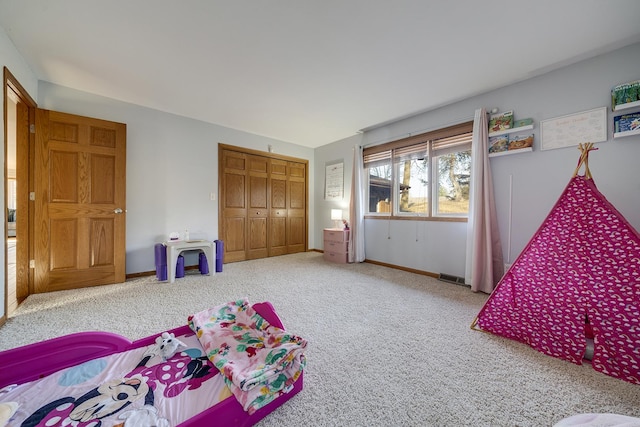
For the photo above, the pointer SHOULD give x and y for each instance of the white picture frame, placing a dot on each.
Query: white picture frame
(574, 129)
(334, 181)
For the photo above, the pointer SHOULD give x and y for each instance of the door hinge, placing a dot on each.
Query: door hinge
(32, 263)
(32, 195)
(32, 128)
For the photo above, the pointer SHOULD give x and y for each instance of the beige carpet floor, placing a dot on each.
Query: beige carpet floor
(386, 347)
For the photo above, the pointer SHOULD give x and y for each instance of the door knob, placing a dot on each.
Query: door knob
(117, 210)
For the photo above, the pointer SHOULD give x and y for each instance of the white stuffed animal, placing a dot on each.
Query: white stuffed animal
(7, 409)
(168, 345)
(146, 416)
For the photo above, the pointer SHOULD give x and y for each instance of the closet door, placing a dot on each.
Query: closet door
(297, 207)
(278, 214)
(233, 205)
(263, 203)
(258, 212)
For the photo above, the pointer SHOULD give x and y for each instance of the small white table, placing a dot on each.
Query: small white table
(176, 247)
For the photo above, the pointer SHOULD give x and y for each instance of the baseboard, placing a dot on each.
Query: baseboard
(190, 267)
(398, 267)
(383, 264)
(153, 272)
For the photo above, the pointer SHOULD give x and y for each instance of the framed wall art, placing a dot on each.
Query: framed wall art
(334, 180)
(573, 129)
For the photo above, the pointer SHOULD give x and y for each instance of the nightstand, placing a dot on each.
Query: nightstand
(336, 245)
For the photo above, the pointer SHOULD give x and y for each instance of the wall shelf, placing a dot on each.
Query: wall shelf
(626, 106)
(627, 133)
(512, 130)
(508, 152)
(624, 123)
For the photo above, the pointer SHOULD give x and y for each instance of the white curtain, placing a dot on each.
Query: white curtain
(484, 262)
(357, 208)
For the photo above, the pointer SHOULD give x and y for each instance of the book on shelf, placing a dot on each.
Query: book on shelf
(501, 121)
(498, 144)
(520, 141)
(522, 122)
(626, 122)
(625, 93)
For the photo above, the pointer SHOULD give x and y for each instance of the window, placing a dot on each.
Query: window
(452, 158)
(425, 175)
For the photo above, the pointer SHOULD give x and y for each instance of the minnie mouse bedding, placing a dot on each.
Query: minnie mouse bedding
(136, 387)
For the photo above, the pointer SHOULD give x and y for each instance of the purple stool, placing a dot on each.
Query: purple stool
(180, 267)
(219, 254)
(203, 265)
(161, 262)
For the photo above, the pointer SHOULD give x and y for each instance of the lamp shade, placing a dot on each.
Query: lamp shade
(336, 214)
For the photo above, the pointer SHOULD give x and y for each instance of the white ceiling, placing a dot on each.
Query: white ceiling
(309, 72)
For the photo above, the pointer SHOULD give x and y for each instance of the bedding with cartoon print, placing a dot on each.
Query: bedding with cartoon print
(133, 388)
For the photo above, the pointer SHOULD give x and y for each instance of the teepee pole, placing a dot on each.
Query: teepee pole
(474, 323)
(584, 159)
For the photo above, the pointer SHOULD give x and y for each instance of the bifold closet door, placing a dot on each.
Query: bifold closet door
(278, 212)
(233, 205)
(258, 211)
(263, 204)
(296, 207)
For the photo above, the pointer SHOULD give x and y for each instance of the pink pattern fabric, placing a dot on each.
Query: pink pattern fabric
(259, 361)
(582, 265)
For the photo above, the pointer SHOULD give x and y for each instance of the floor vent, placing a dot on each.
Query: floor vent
(451, 279)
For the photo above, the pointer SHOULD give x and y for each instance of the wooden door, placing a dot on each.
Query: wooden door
(297, 207)
(278, 213)
(263, 203)
(18, 280)
(79, 183)
(258, 212)
(22, 201)
(233, 204)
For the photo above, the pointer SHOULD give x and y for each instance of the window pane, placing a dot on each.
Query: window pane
(413, 186)
(380, 188)
(454, 172)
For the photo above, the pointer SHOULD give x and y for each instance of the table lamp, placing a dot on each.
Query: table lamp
(336, 215)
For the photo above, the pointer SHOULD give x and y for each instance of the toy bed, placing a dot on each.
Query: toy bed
(99, 379)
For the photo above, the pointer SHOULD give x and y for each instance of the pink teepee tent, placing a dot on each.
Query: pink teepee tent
(580, 272)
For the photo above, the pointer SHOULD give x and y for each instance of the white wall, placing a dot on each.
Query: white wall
(404, 243)
(538, 177)
(172, 168)
(330, 154)
(172, 164)
(10, 58)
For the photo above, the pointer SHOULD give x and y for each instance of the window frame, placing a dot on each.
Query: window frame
(376, 154)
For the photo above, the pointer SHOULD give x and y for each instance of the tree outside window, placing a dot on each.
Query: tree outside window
(426, 175)
(454, 173)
